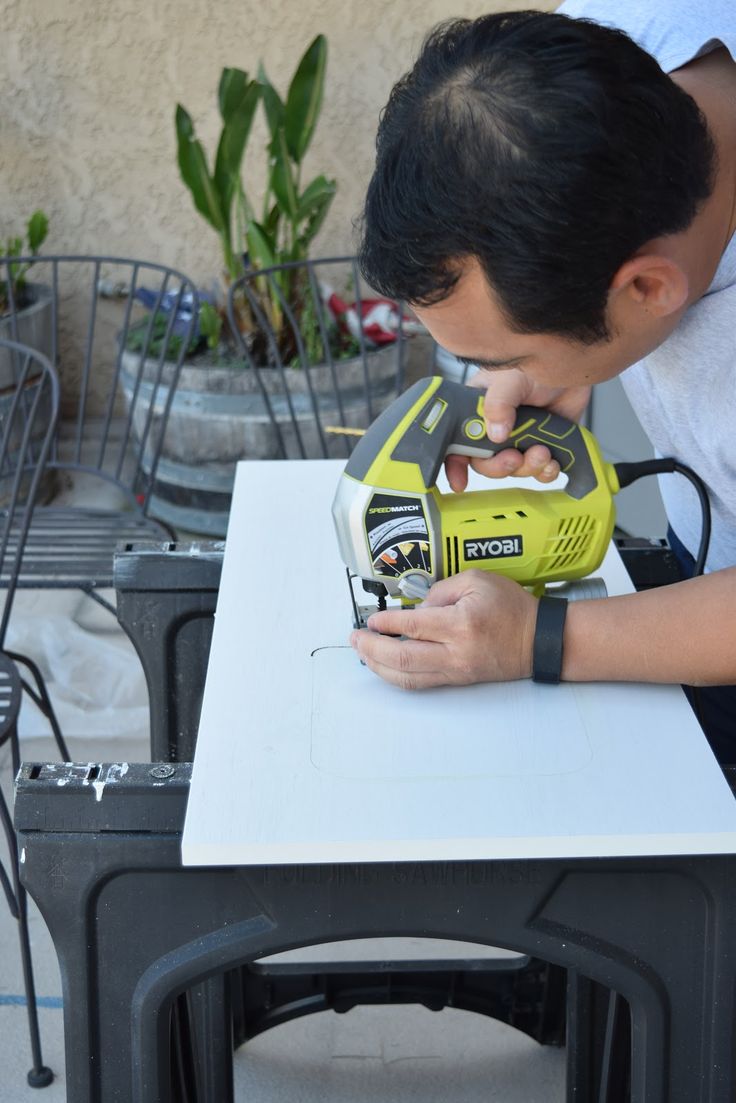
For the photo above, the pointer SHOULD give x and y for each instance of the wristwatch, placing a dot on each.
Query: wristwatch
(548, 636)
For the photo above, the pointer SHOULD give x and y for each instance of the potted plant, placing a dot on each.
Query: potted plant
(25, 307)
(26, 315)
(219, 414)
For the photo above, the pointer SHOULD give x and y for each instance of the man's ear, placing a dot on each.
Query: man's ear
(655, 283)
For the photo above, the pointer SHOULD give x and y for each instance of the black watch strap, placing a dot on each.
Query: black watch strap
(548, 635)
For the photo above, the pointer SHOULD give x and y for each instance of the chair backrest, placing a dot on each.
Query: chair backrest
(118, 331)
(299, 330)
(29, 410)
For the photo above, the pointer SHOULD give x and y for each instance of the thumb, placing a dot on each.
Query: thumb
(505, 394)
(500, 420)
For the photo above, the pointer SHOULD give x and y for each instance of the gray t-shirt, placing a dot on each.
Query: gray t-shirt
(684, 392)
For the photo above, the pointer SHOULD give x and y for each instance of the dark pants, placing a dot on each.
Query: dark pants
(714, 706)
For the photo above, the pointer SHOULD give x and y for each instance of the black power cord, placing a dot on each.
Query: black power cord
(628, 473)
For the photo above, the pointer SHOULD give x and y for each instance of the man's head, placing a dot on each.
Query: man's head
(536, 154)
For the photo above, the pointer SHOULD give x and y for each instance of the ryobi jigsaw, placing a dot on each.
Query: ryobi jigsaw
(399, 534)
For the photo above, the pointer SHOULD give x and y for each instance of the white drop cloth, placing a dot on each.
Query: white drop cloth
(92, 671)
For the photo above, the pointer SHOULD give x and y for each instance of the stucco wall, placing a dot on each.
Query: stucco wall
(89, 91)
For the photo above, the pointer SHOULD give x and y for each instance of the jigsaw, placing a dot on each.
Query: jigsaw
(398, 534)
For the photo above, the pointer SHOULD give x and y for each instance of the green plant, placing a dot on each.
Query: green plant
(210, 324)
(292, 215)
(154, 333)
(14, 289)
(318, 332)
(214, 193)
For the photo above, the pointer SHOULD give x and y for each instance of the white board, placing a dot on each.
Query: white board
(304, 755)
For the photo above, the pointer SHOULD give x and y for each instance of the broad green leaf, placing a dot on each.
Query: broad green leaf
(194, 171)
(38, 227)
(320, 190)
(296, 252)
(282, 181)
(244, 201)
(210, 324)
(14, 247)
(233, 83)
(315, 209)
(272, 103)
(263, 255)
(231, 148)
(271, 225)
(304, 100)
(313, 225)
(260, 246)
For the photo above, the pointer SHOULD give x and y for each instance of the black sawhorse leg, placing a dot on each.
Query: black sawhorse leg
(166, 598)
(658, 931)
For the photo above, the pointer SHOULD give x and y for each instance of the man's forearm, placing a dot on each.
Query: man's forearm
(680, 633)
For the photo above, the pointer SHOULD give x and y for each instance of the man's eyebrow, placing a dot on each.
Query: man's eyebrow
(481, 362)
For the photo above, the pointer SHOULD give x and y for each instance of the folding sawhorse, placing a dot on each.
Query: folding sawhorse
(134, 929)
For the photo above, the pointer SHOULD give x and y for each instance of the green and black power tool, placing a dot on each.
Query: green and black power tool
(399, 534)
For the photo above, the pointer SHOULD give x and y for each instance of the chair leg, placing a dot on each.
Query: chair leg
(40, 1076)
(42, 699)
(8, 890)
(90, 592)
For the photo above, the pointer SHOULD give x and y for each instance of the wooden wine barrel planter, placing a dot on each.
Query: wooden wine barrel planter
(218, 416)
(34, 329)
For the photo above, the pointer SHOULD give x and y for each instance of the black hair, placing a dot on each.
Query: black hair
(548, 148)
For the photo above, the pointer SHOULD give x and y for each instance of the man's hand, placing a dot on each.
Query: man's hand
(472, 627)
(505, 391)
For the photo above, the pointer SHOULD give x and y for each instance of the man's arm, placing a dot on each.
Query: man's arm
(680, 633)
(478, 627)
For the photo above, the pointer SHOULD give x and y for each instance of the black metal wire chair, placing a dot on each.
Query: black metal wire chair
(119, 360)
(311, 376)
(28, 415)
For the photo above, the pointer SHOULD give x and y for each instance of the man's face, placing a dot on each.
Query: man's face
(470, 324)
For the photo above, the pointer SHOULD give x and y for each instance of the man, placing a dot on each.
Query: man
(557, 208)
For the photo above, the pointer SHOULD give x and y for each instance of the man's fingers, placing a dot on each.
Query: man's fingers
(422, 623)
(536, 463)
(456, 468)
(533, 464)
(500, 466)
(411, 663)
(407, 680)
